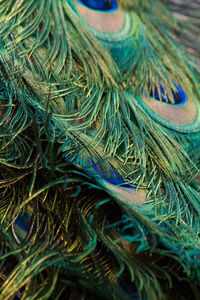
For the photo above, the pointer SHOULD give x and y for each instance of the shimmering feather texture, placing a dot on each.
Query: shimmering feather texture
(65, 105)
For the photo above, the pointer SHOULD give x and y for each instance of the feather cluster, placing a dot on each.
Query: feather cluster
(65, 107)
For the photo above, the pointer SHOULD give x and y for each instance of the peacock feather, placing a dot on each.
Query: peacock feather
(66, 107)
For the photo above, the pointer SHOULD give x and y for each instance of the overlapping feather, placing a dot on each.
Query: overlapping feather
(64, 102)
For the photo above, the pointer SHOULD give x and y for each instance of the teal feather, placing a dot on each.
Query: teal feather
(65, 102)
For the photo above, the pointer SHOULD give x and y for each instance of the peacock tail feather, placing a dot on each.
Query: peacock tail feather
(67, 107)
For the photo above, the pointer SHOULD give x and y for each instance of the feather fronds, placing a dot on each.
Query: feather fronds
(65, 107)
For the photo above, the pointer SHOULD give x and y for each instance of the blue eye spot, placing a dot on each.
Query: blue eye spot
(112, 176)
(179, 96)
(100, 5)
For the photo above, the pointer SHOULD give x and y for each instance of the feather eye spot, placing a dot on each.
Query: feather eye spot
(100, 5)
(178, 96)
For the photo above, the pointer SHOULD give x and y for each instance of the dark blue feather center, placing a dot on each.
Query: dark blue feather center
(179, 96)
(103, 5)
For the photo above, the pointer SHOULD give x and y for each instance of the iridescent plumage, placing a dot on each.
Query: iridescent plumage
(69, 104)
